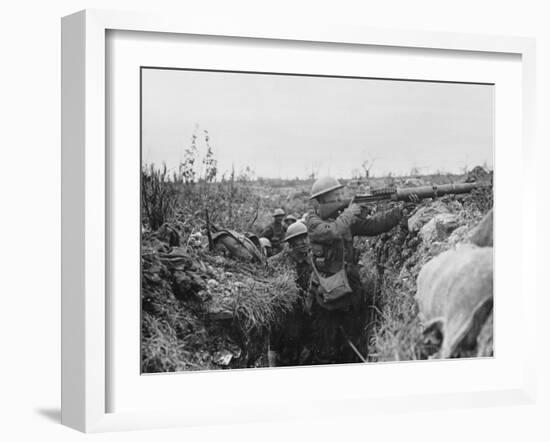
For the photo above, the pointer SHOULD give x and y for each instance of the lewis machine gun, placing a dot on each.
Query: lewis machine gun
(327, 210)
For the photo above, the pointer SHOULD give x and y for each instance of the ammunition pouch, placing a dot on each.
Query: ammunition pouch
(334, 288)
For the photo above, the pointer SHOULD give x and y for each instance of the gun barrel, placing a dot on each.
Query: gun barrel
(402, 194)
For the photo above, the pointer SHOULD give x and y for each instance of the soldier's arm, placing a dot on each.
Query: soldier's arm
(377, 223)
(327, 231)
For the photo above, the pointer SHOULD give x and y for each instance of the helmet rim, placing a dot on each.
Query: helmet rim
(301, 229)
(324, 191)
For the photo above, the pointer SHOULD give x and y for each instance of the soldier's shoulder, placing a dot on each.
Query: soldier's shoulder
(315, 224)
(310, 216)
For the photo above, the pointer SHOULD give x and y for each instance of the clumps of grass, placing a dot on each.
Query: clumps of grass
(174, 339)
(158, 198)
(161, 349)
(184, 334)
(399, 331)
(261, 304)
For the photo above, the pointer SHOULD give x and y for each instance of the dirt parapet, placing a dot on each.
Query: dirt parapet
(204, 311)
(399, 255)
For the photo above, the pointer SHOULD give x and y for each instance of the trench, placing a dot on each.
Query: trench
(182, 331)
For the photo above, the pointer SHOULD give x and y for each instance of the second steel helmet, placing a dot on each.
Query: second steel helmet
(295, 230)
(324, 185)
(279, 212)
(291, 217)
(264, 242)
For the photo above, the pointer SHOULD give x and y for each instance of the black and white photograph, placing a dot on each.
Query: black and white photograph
(296, 220)
(299, 220)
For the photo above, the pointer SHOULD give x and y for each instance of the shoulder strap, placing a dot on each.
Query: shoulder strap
(343, 266)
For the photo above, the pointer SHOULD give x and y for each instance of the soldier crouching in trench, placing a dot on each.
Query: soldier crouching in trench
(337, 299)
(288, 341)
(275, 232)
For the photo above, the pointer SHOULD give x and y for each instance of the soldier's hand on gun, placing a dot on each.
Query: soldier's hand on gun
(413, 198)
(410, 205)
(354, 209)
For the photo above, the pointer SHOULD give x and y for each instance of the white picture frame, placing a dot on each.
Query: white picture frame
(85, 199)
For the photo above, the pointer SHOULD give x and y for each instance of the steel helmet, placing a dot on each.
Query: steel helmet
(264, 242)
(292, 217)
(295, 230)
(324, 185)
(279, 212)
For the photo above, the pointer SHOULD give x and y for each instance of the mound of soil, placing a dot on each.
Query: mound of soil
(204, 311)
(396, 332)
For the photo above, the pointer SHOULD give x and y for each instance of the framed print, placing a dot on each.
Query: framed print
(251, 212)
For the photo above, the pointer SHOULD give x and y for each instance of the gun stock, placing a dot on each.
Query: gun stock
(326, 210)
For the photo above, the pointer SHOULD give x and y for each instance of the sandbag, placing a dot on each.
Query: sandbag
(455, 292)
(482, 234)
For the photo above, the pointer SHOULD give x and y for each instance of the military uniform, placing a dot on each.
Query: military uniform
(331, 245)
(276, 234)
(288, 339)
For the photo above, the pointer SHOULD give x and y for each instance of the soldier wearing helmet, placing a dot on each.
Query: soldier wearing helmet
(290, 338)
(296, 237)
(289, 220)
(276, 231)
(337, 296)
(296, 231)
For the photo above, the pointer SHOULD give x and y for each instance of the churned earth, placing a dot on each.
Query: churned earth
(207, 309)
(396, 329)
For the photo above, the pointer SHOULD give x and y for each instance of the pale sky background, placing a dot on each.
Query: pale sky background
(283, 126)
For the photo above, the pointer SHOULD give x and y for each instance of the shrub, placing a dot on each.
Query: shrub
(158, 198)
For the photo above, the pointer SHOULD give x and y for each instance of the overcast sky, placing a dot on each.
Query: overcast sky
(285, 126)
